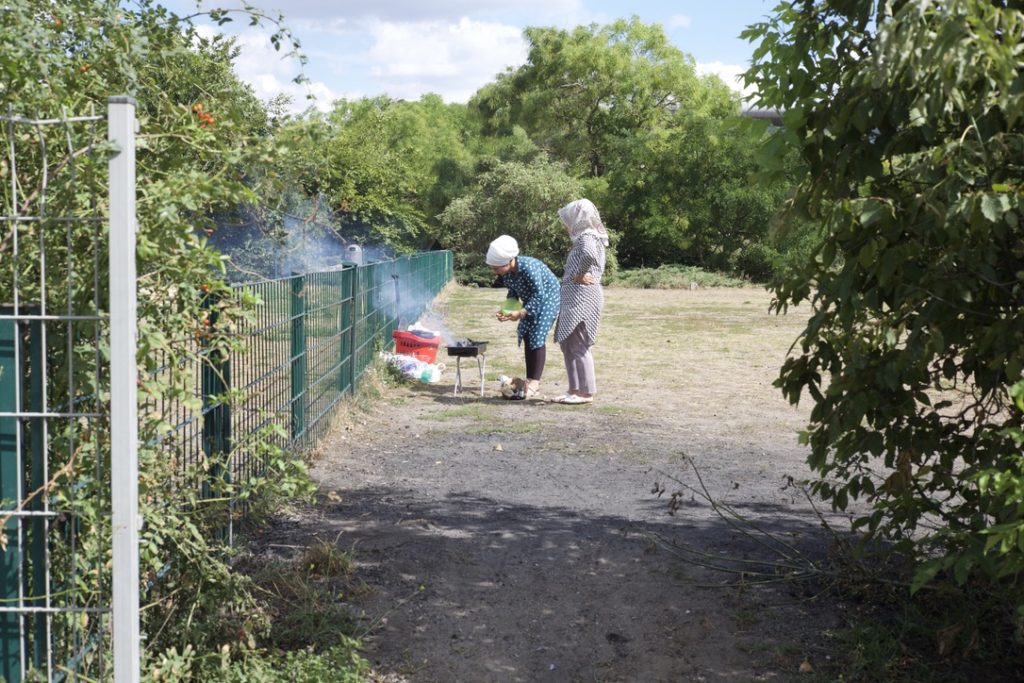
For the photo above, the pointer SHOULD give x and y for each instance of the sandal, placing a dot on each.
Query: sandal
(574, 400)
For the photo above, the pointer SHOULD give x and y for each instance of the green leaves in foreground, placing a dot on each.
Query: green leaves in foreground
(909, 118)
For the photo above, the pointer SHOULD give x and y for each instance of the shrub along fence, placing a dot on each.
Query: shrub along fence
(70, 418)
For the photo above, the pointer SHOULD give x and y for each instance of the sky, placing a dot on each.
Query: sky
(407, 48)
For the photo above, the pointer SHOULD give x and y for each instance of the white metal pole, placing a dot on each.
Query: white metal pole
(124, 427)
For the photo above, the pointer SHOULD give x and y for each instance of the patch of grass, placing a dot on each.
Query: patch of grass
(308, 597)
(673, 277)
(949, 635)
(875, 652)
(375, 381)
(747, 617)
(339, 664)
(514, 428)
(472, 411)
(619, 410)
(328, 560)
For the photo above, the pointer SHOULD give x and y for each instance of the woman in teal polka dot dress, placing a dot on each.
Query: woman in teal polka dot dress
(537, 289)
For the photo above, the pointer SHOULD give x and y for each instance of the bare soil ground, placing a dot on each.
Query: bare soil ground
(521, 540)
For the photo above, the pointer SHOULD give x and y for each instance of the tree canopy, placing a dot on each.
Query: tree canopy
(581, 89)
(653, 143)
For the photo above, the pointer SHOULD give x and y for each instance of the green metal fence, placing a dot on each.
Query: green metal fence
(311, 340)
(69, 588)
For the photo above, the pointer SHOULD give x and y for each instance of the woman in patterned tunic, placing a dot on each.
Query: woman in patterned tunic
(536, 287)
(582, 298)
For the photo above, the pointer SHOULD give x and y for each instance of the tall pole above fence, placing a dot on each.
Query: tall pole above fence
(124, 427)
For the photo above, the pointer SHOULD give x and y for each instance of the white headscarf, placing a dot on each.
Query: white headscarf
(581, 217)
(502, 251)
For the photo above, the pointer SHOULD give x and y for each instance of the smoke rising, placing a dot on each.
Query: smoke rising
(264, 246)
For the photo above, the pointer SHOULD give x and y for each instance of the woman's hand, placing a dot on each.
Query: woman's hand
(514, 315)
(585, 279)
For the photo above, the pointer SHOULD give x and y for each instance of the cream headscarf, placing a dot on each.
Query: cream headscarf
(581, 217)
(502, 251)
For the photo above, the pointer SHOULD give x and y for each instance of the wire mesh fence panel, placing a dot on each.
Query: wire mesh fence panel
(55, 457)
(308, 341)
(324, 344)
(262, 375)
(375, 313)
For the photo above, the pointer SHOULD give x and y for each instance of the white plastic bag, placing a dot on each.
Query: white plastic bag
(414, 368)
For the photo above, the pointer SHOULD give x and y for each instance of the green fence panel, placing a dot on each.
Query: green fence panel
(23, 578)
(215, 380)
(261, 376)
(306, 346)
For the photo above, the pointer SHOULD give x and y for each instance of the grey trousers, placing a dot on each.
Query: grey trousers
(579, 363)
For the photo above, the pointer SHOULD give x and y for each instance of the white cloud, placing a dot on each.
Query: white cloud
(678, 21)
(271, 73)
(299, 11)
(729, 73)
(400, 59)
(451, 59)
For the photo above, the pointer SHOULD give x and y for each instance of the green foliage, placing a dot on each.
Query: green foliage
(350, 158)
(619, 104)
(673, 277)
(949, 634)
(651, 143)
(308, 599)
(684, 194)
(581, 89)
(340, 663)
(384, 167)
(515, 198)
(909, 120)
(200, 133)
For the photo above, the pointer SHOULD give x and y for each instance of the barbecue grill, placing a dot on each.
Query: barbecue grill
(468, 348)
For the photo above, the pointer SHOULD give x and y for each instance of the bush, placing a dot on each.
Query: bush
(672, 277)
(756, 261)
(339, 664)
(913, 168)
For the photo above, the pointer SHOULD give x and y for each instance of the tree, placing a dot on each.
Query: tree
(652, 141)
(580, 90)
(909, 120)
(520, 199)
(385, 167)
(687, 196)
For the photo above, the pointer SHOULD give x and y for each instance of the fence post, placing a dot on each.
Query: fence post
(298, 316)
(37, 547)
(124, 422)
(215, 378)
(10, 557)
(354, 314)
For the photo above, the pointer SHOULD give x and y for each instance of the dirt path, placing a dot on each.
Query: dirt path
(519, 541)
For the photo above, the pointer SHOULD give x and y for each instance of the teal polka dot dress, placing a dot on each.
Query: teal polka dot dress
(537, 289)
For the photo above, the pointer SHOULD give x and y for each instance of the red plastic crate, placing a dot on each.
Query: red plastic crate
(410, 344)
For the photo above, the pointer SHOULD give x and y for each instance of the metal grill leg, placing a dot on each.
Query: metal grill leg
(458, 375)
